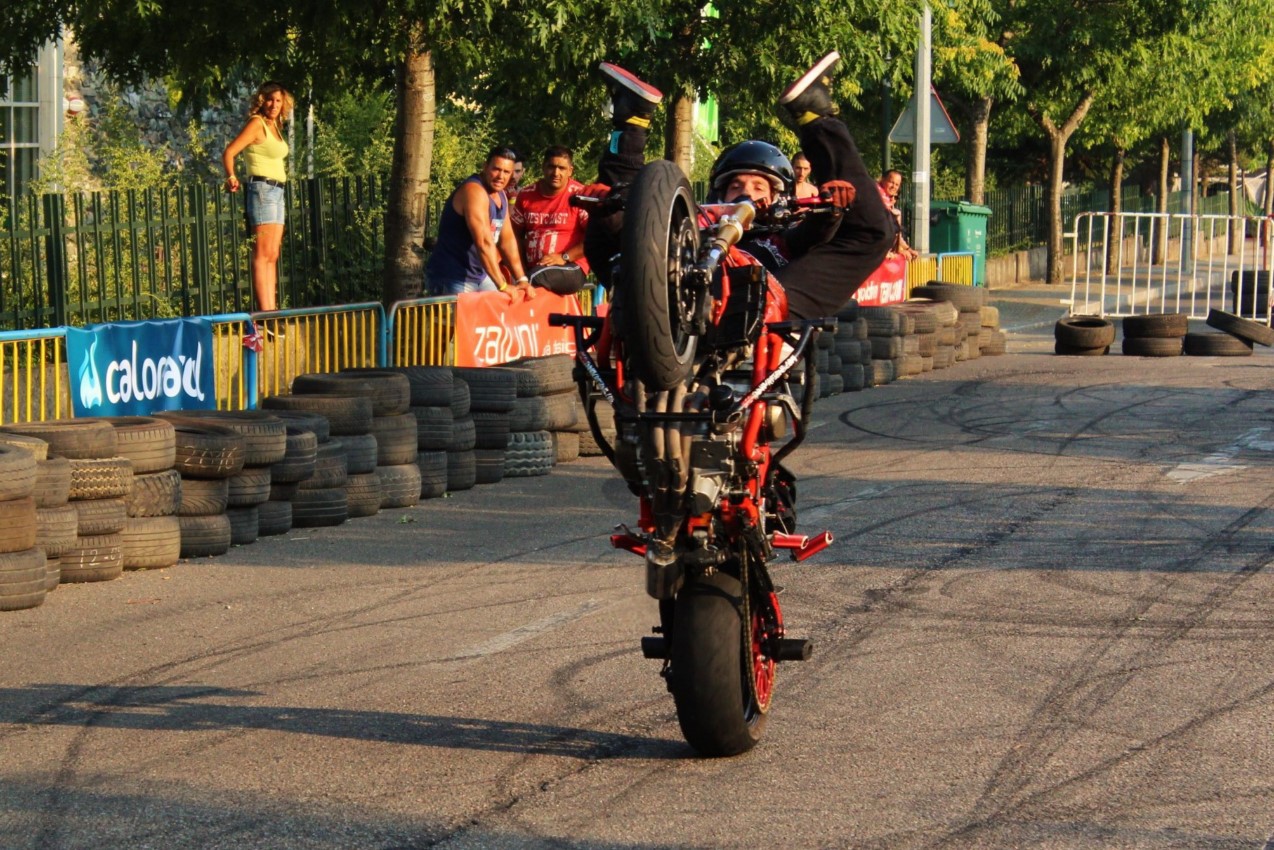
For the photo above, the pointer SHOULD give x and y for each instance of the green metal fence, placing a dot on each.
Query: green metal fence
(183, 251)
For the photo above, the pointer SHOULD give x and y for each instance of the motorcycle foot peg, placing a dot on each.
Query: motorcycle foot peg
(788, 649)
(654, 647)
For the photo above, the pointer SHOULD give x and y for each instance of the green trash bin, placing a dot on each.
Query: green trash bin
(960, 227)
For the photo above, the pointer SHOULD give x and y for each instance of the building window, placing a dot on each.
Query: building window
(19, 131)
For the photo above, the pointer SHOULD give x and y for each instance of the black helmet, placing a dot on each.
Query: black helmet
(753, 157)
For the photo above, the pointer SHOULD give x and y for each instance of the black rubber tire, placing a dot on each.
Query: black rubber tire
(331, 468)
(707, 667)
(73, 438)
(100, 516)
(489, 466)
(100, 478)
(283, 492)
(362, 495)
(155, 494)
(1217, 345)
(565, 446)
(207, 451)
(882, 372)
(491, 430)
(462, 470)
(544, 375)
(319, 508)
(1083, 332)
(19, 471)
(1069, 351)
(529, 413)
(490, 388)
(848, 314)
(882, 321)
(202, 536)
(924, 319)
(345, 414)
(433, 427)
(660, 237)
(304, 420)
(389, 392)
(298, 462)
(265, 436)
(203, 496)
(149, 442)
(1240, 327)
(24, 579)
(360, 453)
(433, 474)
(461, 397)
(1254, 285)
(1156, 326)
(17, 524)
(149, 543)
(245, 525)
(430, 385)
(274, 518)
(853, 376)
(96, 557)
(38, 448)
(1152, 346)
(250, 487)
(563, 410)
(464, 434)
(396, 439)
(529, 454)
(966, 299)
(850, 351)
(399, 485)
(885, 347)
(56, 529)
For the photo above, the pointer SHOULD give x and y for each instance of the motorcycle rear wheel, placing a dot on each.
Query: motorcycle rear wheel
(715, 671)
(660, 241)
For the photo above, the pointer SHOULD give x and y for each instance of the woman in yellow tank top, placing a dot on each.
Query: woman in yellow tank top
(265, 151)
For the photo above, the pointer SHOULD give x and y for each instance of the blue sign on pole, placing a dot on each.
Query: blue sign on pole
(136, 368)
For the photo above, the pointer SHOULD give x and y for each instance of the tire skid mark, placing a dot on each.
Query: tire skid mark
(1085, 688)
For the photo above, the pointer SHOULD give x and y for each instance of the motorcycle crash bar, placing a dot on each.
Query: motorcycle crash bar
(802, 546)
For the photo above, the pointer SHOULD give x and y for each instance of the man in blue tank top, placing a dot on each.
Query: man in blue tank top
(472, 236)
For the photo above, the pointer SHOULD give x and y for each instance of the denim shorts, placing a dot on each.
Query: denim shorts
(265, 203)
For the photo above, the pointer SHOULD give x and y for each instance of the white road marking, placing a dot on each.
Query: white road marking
(1221, 461)
(509, 639)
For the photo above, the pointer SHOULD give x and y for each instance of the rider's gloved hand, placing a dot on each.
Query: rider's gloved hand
(839, 192)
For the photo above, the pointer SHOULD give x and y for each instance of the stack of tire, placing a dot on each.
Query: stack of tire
(542, 405)
(207, 455)
(1236, 338)
(886, 330)
(56, 522)
(24, 571)
(828, 365)
(394, 482)
(921, 346)
(968, 300)
(491, 396)
(946, 337)
(1083, 336)
(265, 444)
(321, 500)
(432, 393)
(1250, 293)
(588, 446)
(851, 348)
(100, 481)
(551, 378)
(151, 536)
(1155, 334)
(304, 432)
(991, 340)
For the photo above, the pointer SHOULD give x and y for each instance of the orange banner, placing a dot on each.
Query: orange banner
(492, 329)
(886, 285)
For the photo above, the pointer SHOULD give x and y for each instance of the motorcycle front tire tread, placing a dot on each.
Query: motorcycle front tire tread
(706, 668)
(659, 188)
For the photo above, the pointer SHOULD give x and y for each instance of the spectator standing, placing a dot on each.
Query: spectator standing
(472, 236)
(515, 182)
(801, 169)
(265, 153)
(550, 229)
(890, 187)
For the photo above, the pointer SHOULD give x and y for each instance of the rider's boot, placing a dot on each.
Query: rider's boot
(633, 100)
(808, 99)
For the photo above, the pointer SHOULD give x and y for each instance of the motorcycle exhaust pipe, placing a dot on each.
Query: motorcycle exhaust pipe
(792, 649)
(655, 647)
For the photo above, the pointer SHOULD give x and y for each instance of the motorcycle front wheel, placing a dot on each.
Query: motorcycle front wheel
(720, 681)
(660, 242)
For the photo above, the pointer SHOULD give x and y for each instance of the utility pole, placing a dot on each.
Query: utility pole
(920, 148)
(1187, 185)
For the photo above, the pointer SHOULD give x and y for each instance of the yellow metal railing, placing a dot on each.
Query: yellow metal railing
(955, 268)
(920, 271)
(422, 332)
(36, 385)
(323, 339)
(233, 381)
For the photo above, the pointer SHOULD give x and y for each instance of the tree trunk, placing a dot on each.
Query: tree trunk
(1115, 237)
(405, 211)
(1236, 226)
(1057, 139)
(1269, 180)
(1161, 240)
(679, 131)
(975, 174)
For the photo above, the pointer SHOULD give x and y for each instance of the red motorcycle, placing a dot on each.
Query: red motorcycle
(694, 357)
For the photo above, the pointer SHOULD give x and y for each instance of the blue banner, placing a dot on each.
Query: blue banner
(136, 368)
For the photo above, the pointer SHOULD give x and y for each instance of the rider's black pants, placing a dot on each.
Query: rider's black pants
(623, 158)
(825, 277)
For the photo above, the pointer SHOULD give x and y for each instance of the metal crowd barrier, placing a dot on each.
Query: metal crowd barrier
(234, 362)
(317, 339)
(36, 386)
(421, 332)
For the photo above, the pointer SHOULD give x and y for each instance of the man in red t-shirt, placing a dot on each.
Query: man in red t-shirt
(550, 229)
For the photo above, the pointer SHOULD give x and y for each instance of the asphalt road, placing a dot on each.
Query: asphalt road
(1046, 623)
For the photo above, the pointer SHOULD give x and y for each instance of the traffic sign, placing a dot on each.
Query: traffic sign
(941, 130)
